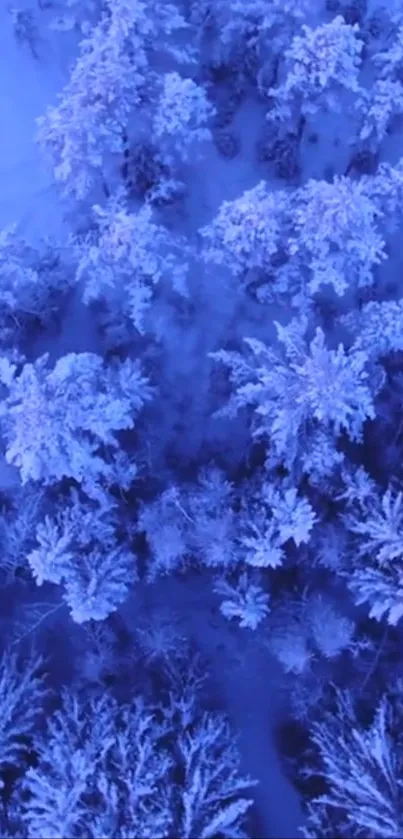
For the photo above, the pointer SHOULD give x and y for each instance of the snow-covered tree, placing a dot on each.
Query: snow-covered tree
(113, 771)
(319, 64)
(362, 770)
(59, 422)
(18, 279)
(191, 523)
(78, 548)
(335, 234)
(211, 794)
(179, 124)
(246, 31)
(248, 232)
(245, 601)
(130, 256)
(22, 695)
(101, 771)
(320, 458)
(106, 83)
(31, 279)
(297, 389)
(86, 134)
(327, 234)
(390, 60)
(18, 521)
(269, 519)
(376, 107)
(385, 189)
(332, 633)
(375, 571)
(377, 327)
(290, 647)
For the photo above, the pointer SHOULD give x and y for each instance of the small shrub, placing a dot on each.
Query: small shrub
(265, 145)
(227, 142)
(181, 118)
(375, 26)
(142, 169)
(166, 193)
(25, 28)
(354, 11)
(218, 72)
(364, 162)
(285, 158)
(226, 109)
(267, 75)
(282, 150)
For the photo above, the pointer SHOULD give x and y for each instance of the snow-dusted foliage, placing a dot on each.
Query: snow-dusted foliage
(319, 64)
(299, 387)
(180, 121)
(30, 280)
(375, 573)
(357, 486)
(18, 280)
(306, 634)
(290, 647)
(74, 14)
(112, 78)
(58, 422)
(105, 85)
(335, 234)
(195, 523)
(386, 189)
(331, 632)
(101, 772)
(182, 539)
(321, 459)
(22, 694)
(246, 234)
(376, 107)
(211, 794)
(245, 601)
(161, 637)
(273, 517)
(362, 770)
(110, 771)
(209, 524)
(18, 523)
(327, 234)
(79, 549)
(390, 60)
(377, 327)
(132, 254)
(247, 31)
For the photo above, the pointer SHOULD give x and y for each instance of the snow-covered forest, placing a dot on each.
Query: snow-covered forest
(201, 419)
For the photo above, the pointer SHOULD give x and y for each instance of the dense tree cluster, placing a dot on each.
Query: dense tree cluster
(236, 429)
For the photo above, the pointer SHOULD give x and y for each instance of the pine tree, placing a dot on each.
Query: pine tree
(58, 421)
(299, 389)
(131, 256)
(335, 234)
(319, 64)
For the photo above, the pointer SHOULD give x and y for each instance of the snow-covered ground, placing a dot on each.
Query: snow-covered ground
(27, 85)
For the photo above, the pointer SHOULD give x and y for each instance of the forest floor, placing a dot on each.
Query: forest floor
(28, 197)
